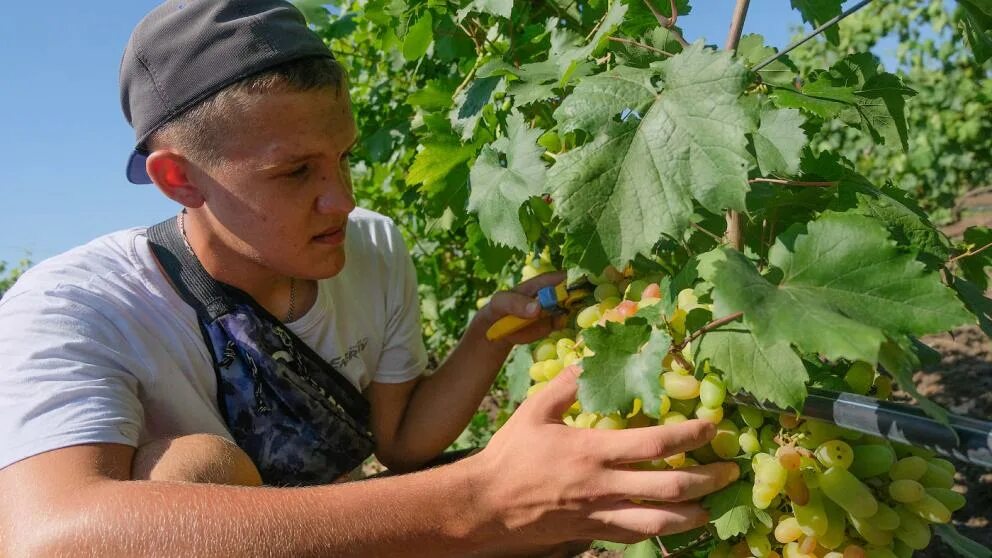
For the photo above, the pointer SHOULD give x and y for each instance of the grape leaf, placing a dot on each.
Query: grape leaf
(973, 267)
(518, 373)
(779, 141)
(753, 50)
(501, 8)
(626, 366)
(419, 37)
(643, 549)
(436, 160)
(598, 99)
(965, 547)
(976, 18)
(469, 103)
(836, 289)
(906, 222)
(637, 179)
(731, 510)
(974, 298)
(858, 93)
(818, 12)
(507, 173)
(774, 373)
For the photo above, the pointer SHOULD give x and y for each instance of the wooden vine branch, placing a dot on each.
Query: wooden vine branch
(667, 23)
(735, 227)
(707, 328)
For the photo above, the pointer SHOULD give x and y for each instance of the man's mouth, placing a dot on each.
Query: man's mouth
(333, 236)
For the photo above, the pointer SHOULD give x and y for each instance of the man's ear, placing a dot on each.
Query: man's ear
(170, 172)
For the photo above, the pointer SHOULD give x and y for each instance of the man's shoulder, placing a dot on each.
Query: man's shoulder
(101, 262)
(374, 230)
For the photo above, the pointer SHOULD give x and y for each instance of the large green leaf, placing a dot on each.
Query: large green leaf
(779, 141)
(637, 179)
(753, 50)
(599, 99)
(419, 38)
(974, 298)
(502, 8)
(857, 92)
(436, 160)
(465, 115)
(774, 373)
(838, 289)
(818, 12)
(977, 23)
(626, 366)
(507, 173)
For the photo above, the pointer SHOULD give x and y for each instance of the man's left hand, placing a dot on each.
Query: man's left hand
(521, 301)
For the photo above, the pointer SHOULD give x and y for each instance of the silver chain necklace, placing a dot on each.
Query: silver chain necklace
(292, 281)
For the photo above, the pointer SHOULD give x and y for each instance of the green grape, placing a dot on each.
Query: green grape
(788, 529)
(870, 532)
(752, 417)
(552, 368)
(812, 517)
(930, 508)
(684, 406)
(762, 496)
(545, 350)
(551, 141)
(609, 304)
(635, 289)
(666, 405)
(705, 454)
(943, 464)
(588, 317)
(611, 422)
(900, 549)
(681, 386)
(673, 418)
(936, 477)
(820, 432)
(836, 525)
(709, 414)
(796, 489)
(913, 531)
(758, 543)
(848, 492)
(769, 479)
(586, 420)
(885, 518)
(908, 468)
(767, 438)
(871, 461)
(883, 387)
(835, 453)
(951, 500)
(725, 443)
(712, 392)
(859, 377)
(906, 491)
(791, 550)
(749, 441)
(564, 345)
(605, 291)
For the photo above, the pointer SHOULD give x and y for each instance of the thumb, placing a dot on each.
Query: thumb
(551, 402)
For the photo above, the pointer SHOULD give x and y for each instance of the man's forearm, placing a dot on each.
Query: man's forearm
(380, 517)
(442, 404)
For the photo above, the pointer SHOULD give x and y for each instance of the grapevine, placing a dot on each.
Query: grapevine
(732, 248)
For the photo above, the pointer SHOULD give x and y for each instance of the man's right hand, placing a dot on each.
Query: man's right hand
(547, 483)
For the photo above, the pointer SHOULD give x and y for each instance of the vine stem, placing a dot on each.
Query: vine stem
(706, 329)
(735, 228)
(641, 45)
(826, 25)
(792, 182)
(668, 23)
(969, 253)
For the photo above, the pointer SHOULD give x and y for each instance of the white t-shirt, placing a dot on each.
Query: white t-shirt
(96, 345)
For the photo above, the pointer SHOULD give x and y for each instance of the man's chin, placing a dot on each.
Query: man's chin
(329, 266)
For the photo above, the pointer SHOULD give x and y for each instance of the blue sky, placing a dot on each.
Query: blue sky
(64, 141)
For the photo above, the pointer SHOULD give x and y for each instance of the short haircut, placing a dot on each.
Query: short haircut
(198, 131)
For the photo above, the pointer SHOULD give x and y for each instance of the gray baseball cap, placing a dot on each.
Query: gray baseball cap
(186, 50)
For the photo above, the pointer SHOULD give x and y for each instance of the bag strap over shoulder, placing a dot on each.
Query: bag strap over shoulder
(197, 288)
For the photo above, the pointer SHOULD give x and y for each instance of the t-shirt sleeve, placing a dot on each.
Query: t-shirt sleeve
(404, 356)
(64, 380)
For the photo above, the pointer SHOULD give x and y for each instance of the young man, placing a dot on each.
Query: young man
(152, 379)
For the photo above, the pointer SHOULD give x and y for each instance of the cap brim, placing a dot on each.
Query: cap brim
(136, 172)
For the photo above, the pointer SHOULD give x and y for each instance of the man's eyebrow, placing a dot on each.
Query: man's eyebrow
(286, 163)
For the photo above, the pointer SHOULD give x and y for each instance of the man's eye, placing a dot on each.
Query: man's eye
(346, 155)
(298, 172)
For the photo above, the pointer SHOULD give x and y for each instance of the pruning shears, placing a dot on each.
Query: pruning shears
(554, 300)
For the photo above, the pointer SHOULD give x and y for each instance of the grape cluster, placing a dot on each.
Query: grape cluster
(824, 492)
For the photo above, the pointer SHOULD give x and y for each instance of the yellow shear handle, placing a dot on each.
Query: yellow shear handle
(508, 325)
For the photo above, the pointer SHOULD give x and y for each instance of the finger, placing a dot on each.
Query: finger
(680, 485)
(653, 442)
(531, 286)
(550, 403)
(631, 523)
(508, 303)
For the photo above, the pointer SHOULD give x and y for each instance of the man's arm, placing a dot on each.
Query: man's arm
(507, 499)
(415, 421)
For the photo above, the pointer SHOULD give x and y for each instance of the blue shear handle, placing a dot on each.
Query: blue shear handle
(547, 298)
